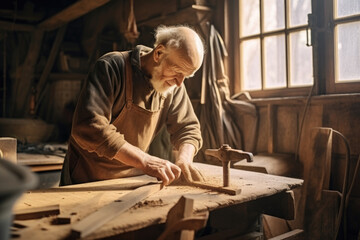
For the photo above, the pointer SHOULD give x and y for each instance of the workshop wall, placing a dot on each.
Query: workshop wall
(47, 52)
(28, 58)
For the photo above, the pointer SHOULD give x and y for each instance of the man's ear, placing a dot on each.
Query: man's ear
(159, 53)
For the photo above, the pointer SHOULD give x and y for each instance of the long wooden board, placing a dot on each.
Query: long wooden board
(37, 212)
(95, 220)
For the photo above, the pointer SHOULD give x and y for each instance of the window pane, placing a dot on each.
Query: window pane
(250, 64)
(275, 67)
(273, 15)
(299, 9)
(347, 7)
(348, 49)
(249, 17)
(301, 70)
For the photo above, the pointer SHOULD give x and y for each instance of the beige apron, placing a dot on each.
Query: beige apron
(135, 123)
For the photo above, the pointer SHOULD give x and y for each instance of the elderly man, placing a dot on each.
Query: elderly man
(127, 98)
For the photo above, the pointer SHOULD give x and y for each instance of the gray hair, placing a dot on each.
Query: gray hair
(170, 36)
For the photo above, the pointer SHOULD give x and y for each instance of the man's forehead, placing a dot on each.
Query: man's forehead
(182, 60)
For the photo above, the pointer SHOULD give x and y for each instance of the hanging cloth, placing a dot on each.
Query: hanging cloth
(131, 32)
(220, 116)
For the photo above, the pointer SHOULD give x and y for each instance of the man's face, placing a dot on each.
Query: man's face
(171, 72)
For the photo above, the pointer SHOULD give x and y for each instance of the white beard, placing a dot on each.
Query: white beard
(159, 85)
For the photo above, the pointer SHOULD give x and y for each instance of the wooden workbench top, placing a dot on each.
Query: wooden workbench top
(80, 200)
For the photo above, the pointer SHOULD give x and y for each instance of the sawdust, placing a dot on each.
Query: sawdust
(147, 203)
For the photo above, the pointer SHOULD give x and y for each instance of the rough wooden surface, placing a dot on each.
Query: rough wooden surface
(79, 204)
(95, 220)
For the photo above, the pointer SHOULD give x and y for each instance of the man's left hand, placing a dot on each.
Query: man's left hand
(184, 160)
(189, 172)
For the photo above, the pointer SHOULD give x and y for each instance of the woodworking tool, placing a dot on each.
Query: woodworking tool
(226, 154)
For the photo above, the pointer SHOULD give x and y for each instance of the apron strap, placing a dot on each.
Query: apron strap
(128, 79)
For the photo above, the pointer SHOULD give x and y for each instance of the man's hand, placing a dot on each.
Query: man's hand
(189, 172)
(185, 161)
(163, 170)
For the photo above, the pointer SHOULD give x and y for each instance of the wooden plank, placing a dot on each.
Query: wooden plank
(292, 235)
(227, 190)
(36, 212)
(273, 226)
(83, 187)
(30, 159)
(95, 220)
(71, 13)
(44, 168)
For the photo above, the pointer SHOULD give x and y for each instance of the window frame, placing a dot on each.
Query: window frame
(333, 87)
(322, 27)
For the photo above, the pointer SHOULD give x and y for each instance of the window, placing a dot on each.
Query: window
(344, 20)
(273, 51)
(287, 46)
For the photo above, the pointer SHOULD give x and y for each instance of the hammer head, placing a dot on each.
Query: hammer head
(227, 154)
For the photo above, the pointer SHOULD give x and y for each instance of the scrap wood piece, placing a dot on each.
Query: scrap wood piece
(61, 219)
(181, 223)
(227, 190)
(18, 225)
(97, 219)
(37, 212)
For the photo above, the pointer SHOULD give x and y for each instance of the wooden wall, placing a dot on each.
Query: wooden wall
(281, 120)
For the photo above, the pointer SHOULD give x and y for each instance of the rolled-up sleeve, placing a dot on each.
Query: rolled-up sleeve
(182, 123)
(92, 129)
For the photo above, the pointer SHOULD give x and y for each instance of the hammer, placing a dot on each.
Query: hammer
(226, 154)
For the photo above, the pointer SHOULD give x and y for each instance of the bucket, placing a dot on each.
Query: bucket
(14, 180)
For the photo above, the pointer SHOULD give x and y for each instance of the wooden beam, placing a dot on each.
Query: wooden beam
(24, 76)
(271, 127)
(71, 13)
(95, 220)
(37, 212)
(50, 63)
(11, 26)
(187, 15)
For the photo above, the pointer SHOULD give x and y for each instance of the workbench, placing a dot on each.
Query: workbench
(229, 215)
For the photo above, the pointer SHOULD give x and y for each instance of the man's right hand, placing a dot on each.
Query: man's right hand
(162, 169)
